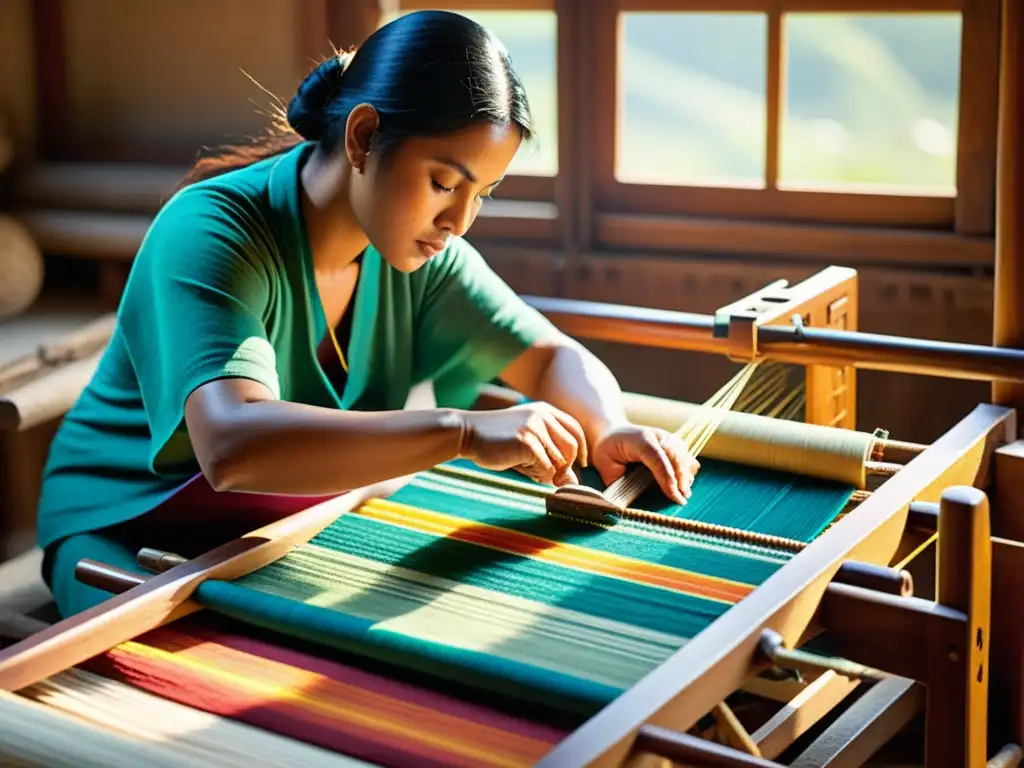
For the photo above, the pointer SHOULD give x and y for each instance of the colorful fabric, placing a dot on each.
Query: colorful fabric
(475, 585)
(211, 667)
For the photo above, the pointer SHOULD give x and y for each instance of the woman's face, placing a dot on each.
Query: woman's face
(429, 189)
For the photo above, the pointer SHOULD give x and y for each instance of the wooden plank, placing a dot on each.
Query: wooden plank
(789, 6)
(859, 732)
(978, 113)
(825, 204)
(849, 246)
(474, 5)
(719, 659)
(802, 713)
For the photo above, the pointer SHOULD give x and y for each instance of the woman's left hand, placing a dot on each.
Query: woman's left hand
(660, 451)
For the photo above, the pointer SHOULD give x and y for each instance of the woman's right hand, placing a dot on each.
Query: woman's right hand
(535, 439)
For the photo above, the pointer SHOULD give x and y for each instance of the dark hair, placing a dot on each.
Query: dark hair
(425, 73)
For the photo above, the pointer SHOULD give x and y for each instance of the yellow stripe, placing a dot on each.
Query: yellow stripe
(279, 693)
(560, 553)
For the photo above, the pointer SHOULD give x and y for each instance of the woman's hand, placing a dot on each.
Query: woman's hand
(661, 452)
(535, 439)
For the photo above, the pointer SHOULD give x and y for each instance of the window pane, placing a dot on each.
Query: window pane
(871, 100)
(692, 94)
(530, 37)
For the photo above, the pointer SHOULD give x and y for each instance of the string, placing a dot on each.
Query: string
(337, 348)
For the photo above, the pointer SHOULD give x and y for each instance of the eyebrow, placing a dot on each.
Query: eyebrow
(463, 170)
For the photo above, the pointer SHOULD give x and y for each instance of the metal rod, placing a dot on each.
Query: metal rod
(787, 344)
(771, 647)
(106, 577)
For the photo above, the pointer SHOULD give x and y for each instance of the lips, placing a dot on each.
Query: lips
(430, 248)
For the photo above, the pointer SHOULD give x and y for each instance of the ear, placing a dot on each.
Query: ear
(359, 129)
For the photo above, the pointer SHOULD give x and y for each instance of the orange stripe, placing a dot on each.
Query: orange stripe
(324, 700)
(559, 553)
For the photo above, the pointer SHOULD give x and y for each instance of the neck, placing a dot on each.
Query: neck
(335, 237)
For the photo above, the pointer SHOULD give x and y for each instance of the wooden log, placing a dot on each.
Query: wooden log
(21, 267)
(79, 344)
(88, 235)
(43, 385)
(110, 187)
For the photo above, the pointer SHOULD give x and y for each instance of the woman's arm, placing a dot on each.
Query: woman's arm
(245, 440)
(569, 377)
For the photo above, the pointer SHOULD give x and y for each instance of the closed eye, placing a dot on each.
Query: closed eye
(441, 187)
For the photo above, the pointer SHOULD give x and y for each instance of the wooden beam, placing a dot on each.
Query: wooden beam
(1009, 269)
(978, 110)
(858, 733)
(817, 243)
(956, 716)
(790, 6)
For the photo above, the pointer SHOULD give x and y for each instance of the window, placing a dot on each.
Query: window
(692, 109)
(834, 130)
(871, 101)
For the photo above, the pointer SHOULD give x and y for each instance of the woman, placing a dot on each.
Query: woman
(282, 306)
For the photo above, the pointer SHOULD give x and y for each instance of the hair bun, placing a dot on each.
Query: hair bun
(306, 109)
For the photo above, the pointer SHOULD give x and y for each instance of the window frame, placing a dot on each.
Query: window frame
(583, 212)
(684, 217)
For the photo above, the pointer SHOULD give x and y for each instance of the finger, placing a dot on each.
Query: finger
(537, 464)
(576, 430)
(567, 443)
(682, 463)
(656, 459)
(540, 430)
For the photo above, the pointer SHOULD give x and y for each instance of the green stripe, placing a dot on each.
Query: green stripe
(645, 606)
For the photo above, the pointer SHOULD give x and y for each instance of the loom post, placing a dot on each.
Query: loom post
(1008, 326)
(956, 715)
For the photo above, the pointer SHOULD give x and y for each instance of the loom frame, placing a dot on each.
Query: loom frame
(672, 697)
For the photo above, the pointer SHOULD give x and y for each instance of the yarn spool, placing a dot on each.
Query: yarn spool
(809, 450)
(21, 268)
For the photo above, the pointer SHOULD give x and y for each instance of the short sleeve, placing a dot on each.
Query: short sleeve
(471, 326)
(193, 310)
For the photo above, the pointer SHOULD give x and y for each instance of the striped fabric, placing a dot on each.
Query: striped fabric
(210, 666)
(478, 586)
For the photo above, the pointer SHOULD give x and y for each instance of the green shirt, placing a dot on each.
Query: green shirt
(223, 286)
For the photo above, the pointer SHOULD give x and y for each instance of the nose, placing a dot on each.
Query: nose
(457, 218)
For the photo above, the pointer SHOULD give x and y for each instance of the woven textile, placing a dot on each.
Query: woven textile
(477, 585)
(210, 666)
